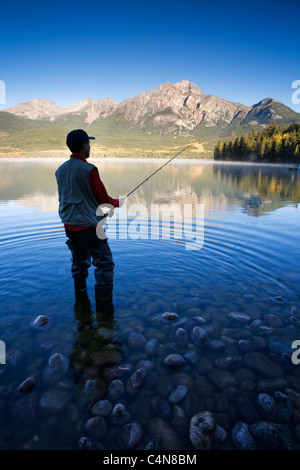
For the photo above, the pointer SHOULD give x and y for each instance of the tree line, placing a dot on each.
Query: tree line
(275, 143)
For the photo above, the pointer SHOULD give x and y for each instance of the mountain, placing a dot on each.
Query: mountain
(175, 110)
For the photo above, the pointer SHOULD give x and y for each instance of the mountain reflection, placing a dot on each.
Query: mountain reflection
(253, 188)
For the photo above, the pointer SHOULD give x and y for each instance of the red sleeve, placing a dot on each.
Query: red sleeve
(99, 191)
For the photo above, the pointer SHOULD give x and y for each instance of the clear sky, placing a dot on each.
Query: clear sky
(69, 50)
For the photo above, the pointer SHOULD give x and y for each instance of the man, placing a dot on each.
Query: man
(80, 192)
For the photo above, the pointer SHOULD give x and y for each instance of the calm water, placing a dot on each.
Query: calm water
(249, 264)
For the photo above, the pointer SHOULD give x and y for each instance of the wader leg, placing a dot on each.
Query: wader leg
(104, 275)
(81, 261)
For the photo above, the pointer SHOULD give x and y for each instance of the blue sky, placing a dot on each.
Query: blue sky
(68, 50)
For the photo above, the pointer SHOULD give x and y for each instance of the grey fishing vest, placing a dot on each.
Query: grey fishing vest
(77, 205)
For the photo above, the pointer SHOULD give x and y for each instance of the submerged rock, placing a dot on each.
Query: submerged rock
(27, 385)
(88, 443)
(102, 408)
(239, 317)
(242, 438)
(130, 435)
(202, 427)
(272, 435)
(199, 336)
(135, 381)
(178, 394)
(136, 340)
(120, 415)
(181, 337)
(96, 427)
(267, 406)
(40, 320)
(151, 346)
(261, 364)
(115, 390)
(174, 361)
(95, 390)
(285, 407)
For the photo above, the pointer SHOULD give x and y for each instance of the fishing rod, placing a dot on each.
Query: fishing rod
(107, 214)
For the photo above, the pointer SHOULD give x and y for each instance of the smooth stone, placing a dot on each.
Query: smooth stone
(219, 435)
(174, 361)
(135, 381)
(181, 337)
(267, 407)
(170, 316)
(53, 401)
(130, 435)
(95, 390)
(273, 435)
(178, 394)
(265, 330)
(40, 320)
(115, 390)
(88, 443)
(151, 347)
(261, 364)
(201, 430)
(136, 340)
(27, 385)
(199, 336)
(239, 317)
(280, 345)
(145, 364)
(271, 384)
(102, 408)
(96, 427)
(166, 317)
(242, 438)
(192, 356)
(285, 407)
(164, 435)
(120, 415)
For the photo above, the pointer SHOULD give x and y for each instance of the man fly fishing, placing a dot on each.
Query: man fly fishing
(80, 192)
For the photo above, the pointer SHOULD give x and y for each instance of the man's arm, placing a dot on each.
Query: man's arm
(99, 191)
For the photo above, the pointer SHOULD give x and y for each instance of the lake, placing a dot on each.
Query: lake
(207, 307)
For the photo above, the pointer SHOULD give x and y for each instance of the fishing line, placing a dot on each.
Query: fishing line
(107, 214)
